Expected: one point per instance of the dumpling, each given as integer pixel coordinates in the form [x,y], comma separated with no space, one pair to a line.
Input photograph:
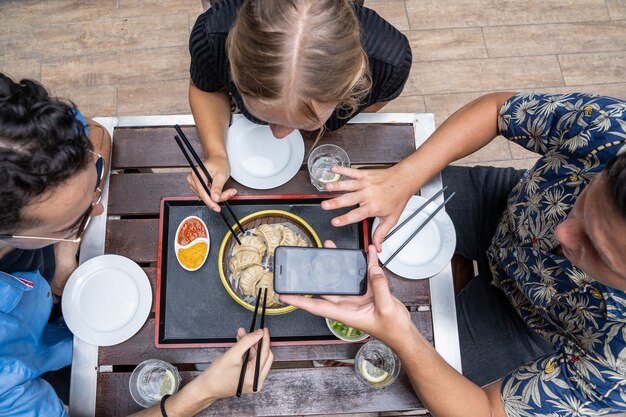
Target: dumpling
[302,242]
[267,281]
[243,259]
[272,299]
[249,278]
[250,242]
[271,235]
[290,238]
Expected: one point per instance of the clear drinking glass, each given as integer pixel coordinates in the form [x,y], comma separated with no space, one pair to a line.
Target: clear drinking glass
[321,160]
[376,364]
[151,380]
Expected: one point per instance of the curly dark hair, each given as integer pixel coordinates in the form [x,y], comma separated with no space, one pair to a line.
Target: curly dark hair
[616,180]
[42,144]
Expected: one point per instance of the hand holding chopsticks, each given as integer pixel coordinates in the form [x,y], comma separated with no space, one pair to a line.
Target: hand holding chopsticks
[244,366]
[220,379]
[421,226]
[187,149]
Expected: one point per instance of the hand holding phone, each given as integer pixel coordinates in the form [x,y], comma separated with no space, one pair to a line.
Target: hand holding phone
[320,271]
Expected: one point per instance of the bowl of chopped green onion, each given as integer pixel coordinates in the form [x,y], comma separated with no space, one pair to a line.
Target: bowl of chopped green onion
[344,332]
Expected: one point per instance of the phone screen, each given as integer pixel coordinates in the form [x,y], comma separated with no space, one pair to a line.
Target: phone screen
[319,271]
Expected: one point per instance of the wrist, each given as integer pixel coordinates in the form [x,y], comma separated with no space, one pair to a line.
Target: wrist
[202,392]
[406,175]
[216,153]
[409,343]
[190,400]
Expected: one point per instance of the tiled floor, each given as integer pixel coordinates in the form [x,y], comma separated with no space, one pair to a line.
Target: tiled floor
[130,57]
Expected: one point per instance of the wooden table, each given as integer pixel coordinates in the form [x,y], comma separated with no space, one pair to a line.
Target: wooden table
[146,166]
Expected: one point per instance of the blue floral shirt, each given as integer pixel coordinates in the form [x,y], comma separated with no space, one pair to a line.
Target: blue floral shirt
[576,135]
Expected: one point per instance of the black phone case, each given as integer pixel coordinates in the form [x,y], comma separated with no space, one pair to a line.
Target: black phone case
[282,249]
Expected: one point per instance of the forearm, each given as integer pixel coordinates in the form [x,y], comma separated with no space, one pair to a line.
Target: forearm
[466,131]
[211,111]
[444,391]
[189,401]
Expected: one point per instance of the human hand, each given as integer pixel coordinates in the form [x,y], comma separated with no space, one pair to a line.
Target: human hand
[379,193]
[221,378]
[219,168]
[65,264]
[377,313]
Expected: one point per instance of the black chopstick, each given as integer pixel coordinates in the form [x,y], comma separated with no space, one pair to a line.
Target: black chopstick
[429,218]
[257,365]
[204,171]
[420,208]
[244,366]
[205,186]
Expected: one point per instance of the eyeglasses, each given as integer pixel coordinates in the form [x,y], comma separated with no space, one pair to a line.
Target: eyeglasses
[79,230]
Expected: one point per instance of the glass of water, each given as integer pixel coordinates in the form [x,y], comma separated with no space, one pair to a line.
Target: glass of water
[376,364]
[320,162]
[151,380]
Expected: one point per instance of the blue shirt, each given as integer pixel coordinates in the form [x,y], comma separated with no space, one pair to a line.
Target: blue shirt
[576,135]
[29,345]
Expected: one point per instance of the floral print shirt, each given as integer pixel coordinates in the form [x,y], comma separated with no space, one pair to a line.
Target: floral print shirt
[576,135]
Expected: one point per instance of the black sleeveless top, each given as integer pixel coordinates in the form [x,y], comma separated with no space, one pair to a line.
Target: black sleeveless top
[388,51]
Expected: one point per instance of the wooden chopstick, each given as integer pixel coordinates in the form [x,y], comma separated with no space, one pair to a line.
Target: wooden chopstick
[420,208]
[257,365]
[429,218]
[244,366]
[205,186]
[205,172]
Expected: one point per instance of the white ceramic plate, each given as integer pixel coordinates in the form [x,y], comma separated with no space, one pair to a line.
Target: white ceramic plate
[259,160]
[106,300]
[429,252]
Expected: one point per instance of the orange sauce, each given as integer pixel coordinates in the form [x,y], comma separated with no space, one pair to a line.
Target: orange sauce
[193,256]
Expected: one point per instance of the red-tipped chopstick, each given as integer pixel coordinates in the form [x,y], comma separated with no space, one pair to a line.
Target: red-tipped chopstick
[421,226]
[205,186]
[244,366]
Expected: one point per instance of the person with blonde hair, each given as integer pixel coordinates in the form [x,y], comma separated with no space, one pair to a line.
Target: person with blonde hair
[291,64]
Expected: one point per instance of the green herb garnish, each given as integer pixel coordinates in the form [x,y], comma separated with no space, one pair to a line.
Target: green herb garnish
[346,331]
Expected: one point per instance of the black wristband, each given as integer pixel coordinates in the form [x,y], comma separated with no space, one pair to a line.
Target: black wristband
[165,397]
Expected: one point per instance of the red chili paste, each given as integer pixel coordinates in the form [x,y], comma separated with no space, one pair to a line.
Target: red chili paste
[191,229]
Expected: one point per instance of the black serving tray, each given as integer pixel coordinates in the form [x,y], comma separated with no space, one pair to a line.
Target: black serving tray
[193,309]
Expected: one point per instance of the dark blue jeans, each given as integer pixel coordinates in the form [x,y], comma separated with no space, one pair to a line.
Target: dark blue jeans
[494,340]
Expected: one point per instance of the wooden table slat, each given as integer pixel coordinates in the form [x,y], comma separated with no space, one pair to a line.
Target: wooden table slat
[136,239]
[151,272]
[141,347]
[366,144]
[286,392]
[140,194]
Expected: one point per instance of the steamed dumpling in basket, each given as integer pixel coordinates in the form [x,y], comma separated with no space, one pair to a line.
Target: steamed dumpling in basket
[267,281]
[249,278]
[243,259]
[272,236]
[250,242]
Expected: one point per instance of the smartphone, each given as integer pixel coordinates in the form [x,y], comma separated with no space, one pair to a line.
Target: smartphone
[319,271]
